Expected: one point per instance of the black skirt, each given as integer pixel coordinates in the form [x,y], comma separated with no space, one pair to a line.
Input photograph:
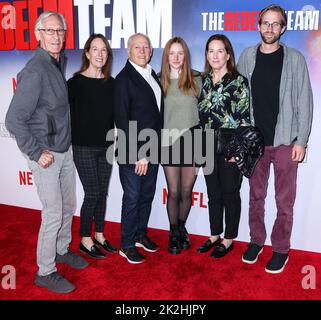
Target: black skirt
[182,152]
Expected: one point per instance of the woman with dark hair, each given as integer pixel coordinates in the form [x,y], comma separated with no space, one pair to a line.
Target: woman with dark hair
[181,87]
[90,98]
[223,103]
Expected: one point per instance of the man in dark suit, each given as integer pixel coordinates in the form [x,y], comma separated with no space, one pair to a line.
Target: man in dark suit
[138,101]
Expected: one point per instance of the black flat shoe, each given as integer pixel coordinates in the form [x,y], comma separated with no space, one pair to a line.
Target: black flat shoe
[94,252]
[208,245]
[106,245]
[220,251]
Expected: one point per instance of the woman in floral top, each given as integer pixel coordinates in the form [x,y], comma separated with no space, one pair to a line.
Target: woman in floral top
[224,102]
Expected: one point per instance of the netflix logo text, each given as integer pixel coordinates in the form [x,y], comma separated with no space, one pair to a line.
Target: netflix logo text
[25,178]
[198,199]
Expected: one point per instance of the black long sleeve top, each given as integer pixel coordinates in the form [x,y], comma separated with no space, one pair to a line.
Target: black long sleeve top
[91,110]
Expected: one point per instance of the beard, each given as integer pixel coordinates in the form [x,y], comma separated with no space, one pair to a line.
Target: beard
[270,37]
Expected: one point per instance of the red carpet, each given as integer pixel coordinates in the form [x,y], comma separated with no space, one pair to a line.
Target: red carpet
[188,276]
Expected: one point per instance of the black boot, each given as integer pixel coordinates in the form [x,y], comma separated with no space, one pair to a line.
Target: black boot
[184,239]
[173,241]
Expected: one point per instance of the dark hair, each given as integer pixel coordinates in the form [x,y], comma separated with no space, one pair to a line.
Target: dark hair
[276,8]
[231,66]
[106,69]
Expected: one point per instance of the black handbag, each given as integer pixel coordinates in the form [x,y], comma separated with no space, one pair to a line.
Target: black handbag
[223,137]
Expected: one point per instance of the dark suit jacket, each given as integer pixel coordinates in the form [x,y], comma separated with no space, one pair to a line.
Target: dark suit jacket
[134,100]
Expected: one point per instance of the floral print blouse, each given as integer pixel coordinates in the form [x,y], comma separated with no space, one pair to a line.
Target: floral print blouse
[224,104]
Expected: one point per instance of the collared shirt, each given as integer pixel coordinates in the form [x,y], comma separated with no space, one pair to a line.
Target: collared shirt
[57,63]
[146,73]
[224,104]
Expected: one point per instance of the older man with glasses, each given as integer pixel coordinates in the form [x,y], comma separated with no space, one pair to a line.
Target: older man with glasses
[38,116]
[281,103]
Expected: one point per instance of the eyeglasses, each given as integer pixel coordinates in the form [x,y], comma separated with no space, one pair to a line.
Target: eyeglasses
[274,25]
[51,32]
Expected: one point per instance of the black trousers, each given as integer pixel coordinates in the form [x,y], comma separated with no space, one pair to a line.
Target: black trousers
[94,173]
[223,190]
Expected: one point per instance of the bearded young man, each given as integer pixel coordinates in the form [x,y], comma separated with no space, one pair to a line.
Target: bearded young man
[281,105]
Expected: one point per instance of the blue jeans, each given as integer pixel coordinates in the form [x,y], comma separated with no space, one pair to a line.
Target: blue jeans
[138,196]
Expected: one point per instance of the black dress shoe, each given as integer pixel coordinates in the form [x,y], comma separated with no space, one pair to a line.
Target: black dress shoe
[94,252]
[208,245]
[106,245]
[221,251]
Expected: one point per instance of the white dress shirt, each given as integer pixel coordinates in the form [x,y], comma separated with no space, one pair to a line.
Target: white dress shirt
[146,73]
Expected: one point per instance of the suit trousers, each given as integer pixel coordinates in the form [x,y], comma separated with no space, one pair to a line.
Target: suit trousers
[137,201]
[56,187]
